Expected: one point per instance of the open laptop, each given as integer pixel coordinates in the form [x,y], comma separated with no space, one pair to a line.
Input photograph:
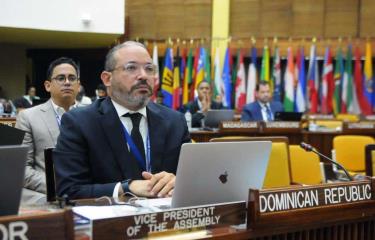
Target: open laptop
[215,117]
[219,172]
[288,116]
[12,171]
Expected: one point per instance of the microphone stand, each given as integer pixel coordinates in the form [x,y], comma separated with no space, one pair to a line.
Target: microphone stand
[309,148]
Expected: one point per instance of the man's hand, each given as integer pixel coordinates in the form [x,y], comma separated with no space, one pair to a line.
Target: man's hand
[154,185]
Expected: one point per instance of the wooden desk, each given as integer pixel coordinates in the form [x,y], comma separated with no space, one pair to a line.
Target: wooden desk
[10,121]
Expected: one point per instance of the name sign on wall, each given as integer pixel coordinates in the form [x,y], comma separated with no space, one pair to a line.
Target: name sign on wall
[310,197]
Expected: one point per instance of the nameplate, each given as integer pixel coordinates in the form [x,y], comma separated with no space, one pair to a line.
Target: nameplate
[282,124]
[143,225]
[11,122]
[313,197]
[54,226]
[237,125]
[360,125]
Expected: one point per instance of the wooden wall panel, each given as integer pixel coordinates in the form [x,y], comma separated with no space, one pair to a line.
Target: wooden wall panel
[198,18]
[341,18]
[367,20]
[276,17]
[169,18]
[308,18]
[245,18]
[141,19]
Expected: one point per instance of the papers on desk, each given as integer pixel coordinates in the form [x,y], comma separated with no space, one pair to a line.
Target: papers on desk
[101,212]
[155,204]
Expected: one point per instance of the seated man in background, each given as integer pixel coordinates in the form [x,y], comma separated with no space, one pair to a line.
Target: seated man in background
[263,109]
[42,122]
[199,107]
[124,142]
[100,92]
[26,101]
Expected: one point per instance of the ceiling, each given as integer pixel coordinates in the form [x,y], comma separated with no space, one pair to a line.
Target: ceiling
[33,38]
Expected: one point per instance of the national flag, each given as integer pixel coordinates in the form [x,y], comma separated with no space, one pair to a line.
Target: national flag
[368,81]
[155,61]
[312,78]
[276,75]
[194,74]
[339,77]
[218,85]
[364,105]
[227,100]
[252,76]
[167,80]
[176,82]
[265,70]
[182,73]
[187,78]
[327,84]
[207,67]
[289,83]
[240,84]
[301,84]
[199,77]
[349,102]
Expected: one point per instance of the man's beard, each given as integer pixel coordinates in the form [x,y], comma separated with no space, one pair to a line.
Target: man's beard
[128,99]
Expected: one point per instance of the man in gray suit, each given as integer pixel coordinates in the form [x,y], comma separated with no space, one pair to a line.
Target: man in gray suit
[42,123]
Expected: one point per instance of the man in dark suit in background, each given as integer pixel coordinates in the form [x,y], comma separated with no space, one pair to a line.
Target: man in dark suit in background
[199,107]
[122,143]
[264,108]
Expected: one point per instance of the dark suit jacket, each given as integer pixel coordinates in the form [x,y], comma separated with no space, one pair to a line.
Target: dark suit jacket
[91,154]
[253,111]
[193,107]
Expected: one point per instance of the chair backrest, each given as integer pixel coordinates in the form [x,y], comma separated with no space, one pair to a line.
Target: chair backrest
[350,151]
[278,171]
[370,159]
[305,166]
[50,175]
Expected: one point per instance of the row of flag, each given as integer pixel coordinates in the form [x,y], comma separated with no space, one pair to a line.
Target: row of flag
[340,85]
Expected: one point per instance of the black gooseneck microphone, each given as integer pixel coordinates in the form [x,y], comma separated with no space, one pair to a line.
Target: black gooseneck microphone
[309,148]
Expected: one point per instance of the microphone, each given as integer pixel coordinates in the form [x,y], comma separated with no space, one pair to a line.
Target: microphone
[308,148]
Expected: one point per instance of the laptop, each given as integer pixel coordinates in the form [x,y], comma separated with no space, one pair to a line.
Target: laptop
[219,172]
[215,117]
[10,135]
[288,116]
[12,171]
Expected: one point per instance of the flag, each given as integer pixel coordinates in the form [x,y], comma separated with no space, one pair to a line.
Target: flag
[233,67]
[312,78]
[187,78]
[207,67]
[240,84]
[338,82]
[252,77]
[176,82]
[265,70]
[289,83]
[199,77]
[359,83]
[218,85]
[227,100]
[276,75]
[301,84]
[194,73]
[167,80]
[327,84]
[367,82]
[182,74]
[155,61]
[349,102]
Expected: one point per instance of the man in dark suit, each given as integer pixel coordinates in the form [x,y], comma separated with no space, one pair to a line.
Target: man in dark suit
[122,143]
[264,108]
[199,107]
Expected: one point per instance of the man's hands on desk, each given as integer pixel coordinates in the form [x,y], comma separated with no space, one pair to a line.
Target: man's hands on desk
[155,185]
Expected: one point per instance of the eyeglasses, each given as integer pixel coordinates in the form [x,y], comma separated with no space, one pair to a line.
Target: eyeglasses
[133,68]
[62,78]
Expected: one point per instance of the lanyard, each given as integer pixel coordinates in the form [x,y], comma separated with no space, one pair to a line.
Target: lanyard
[146,165]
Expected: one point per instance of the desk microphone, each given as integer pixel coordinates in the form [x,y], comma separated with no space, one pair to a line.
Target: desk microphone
[308,148]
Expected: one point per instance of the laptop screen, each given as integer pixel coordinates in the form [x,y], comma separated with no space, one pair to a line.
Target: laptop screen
[288,116]
[215,117]
[217,172]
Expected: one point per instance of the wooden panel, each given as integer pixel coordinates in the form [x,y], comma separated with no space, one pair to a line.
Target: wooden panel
[367,20]
[341,18]
[142,22]
[308,18]
[169,18]
[276,17]
[197,20]
[244,18]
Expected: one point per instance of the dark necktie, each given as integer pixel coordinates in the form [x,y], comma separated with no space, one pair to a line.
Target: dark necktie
[136,134]
[269,113]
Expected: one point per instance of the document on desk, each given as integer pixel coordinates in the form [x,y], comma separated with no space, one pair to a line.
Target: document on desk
[156,204]
[101,212]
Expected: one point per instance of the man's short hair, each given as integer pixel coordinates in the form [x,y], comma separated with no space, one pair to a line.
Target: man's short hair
[204,81]
[110,61]
[263,83]
[61,60]
[101,87]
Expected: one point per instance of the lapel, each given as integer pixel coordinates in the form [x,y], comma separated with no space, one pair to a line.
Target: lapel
[157,129]
[48,116]
[259,111]
[112,128]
